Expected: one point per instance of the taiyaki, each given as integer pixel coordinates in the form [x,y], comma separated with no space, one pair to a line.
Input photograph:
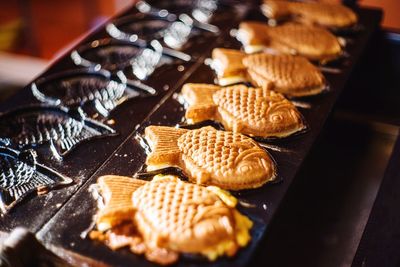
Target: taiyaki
[286,74]
[251,111]
[58,126]
[210,157]
[21,175]
[314,43]
[76,88]
[228,66]
[165,217]
[311,13]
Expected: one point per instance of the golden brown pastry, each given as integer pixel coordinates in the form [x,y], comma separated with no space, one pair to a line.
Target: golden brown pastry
[312,42]
[225,159]
[311,13]
[251,111]
[228,66]
[286,74]
[166,216]
[254,36]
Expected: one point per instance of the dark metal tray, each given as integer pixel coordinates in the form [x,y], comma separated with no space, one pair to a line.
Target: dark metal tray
[62,215]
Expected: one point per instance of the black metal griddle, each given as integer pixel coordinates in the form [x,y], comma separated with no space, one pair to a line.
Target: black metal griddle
[61,216]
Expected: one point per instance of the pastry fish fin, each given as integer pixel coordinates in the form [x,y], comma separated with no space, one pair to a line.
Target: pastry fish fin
[198,113]
[258,80]
[199,97]
[116,192]
[163,143]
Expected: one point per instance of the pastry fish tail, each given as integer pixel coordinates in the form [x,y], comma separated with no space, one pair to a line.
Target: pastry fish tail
[199,97]
[163,143]
[276,9]
[116,203]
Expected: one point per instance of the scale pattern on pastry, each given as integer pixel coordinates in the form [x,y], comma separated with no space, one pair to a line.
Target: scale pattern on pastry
[312,42]
[312,13]
[166,216]
[251,111]
[286,74]
[207,156]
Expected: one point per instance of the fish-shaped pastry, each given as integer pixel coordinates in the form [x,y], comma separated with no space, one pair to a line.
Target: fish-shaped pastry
[290,75]
[210,157]
[312,42]
[286,74]
[251,111]
[21,175]
[165,217]
[327,15]
[60,127]
[80,87]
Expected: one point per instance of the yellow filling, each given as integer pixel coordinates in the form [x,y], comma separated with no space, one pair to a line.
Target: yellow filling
[228,247]
[224,81]
[225,196]
[243,225]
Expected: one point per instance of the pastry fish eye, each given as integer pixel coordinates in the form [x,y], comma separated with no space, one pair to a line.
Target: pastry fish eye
[277,117]
[243,168]
[251,162]
[258,164]
[279,114]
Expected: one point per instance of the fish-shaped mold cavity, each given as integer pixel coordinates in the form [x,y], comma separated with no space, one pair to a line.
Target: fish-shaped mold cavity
[60,128]
[202,11]
[82,87]
[149,28]
[21,175]
[293,76]
[312,42]
[165,217]
[139,58]
[170,30]
[210,157]
[251,111]
[332,16]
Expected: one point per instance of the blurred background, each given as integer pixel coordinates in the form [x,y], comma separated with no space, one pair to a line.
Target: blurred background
[33,33]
